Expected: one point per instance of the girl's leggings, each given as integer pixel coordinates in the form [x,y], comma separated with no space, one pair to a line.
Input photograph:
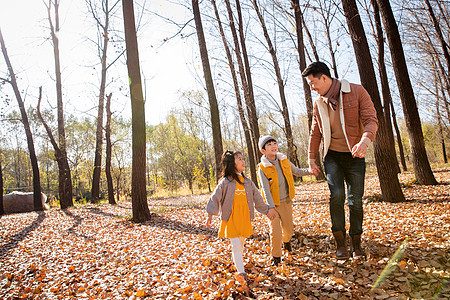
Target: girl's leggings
[237,244]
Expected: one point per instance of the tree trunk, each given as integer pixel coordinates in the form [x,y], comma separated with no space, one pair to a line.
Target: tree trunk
[384,154]
[141,213]
[246,86]
[251,105]
[422,169]
[292,149]
[439,118]
[118,188]
[109,151]
[101,99]
[65,178]
[58,156]
[441,132]
[399,139]
[191,186]
[248,139]
[444,152]
[214,108]
[385,90]
[299,21]
[37,198]
[47,168]
[302,59]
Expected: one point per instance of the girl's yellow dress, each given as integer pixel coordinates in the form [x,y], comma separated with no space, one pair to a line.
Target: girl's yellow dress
[239,224]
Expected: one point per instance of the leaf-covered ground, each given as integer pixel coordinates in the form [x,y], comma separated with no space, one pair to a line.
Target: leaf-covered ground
[95,252]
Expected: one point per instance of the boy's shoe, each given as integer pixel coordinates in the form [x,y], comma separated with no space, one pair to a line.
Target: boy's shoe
[276,261]
[287,246]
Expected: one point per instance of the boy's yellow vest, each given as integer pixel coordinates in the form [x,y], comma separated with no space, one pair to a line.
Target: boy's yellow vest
[272,176]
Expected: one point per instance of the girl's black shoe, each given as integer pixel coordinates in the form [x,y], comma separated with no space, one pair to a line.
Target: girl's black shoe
[276,261]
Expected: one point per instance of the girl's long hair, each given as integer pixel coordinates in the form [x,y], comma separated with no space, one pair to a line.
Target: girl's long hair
[229,166]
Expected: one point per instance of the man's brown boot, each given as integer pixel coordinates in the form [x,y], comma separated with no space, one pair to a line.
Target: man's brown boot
[356,246]
[341,247]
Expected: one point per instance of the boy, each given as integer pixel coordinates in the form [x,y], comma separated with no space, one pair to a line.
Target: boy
[275,174]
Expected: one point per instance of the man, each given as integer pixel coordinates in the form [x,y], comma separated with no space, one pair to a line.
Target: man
[344,119]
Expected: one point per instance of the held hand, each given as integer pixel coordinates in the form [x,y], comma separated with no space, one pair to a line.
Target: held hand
[208,221]
[314,169]
[271,214]
[359,150]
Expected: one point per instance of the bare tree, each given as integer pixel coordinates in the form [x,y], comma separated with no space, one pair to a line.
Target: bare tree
[103,29]
[65,178]
[327,10]
[37,198]
[292,149]
[385,90]
[109,151]
[141,213]
[438,84]
[299,25]
[251,105]
[214,108]
[444,45]
[444,98]
[302,59]
[245,126]
[427,44]
[246,85]
[422,168]
[311,41]
[384,153]
[440,36]
[445,84]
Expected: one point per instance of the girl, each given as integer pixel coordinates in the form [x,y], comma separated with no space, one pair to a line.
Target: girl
[236,198]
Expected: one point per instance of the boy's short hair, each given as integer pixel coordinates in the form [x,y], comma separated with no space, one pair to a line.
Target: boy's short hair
[317,69]
[263,140]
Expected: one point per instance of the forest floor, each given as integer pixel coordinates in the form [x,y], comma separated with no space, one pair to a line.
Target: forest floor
[96,252]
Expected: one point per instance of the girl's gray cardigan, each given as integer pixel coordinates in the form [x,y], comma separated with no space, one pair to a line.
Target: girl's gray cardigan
[222,199]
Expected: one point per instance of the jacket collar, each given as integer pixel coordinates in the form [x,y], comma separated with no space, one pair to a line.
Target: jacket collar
[266,162]
[345,86]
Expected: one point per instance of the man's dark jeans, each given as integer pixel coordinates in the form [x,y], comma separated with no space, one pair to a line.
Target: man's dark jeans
[340,167]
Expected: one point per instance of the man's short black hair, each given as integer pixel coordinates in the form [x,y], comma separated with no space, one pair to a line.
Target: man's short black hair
[317,69]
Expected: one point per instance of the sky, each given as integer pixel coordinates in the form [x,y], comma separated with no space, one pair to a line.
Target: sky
[165,67]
